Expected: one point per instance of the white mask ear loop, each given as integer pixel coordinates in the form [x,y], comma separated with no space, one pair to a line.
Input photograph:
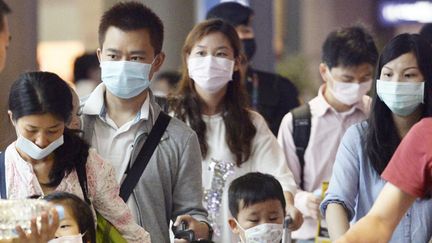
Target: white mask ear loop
[238,225]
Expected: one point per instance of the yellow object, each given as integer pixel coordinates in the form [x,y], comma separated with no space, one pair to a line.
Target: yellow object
[322,235]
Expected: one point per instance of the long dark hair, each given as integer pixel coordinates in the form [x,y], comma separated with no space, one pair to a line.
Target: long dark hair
[82,213]
[382,137]
[187,104]
[37,93]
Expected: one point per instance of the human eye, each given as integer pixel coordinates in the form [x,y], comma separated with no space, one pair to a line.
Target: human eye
[112,56]
[64,226]
[137,58]
[200,53]
[221,54]
[386,74]
[410,75]
[253,220]
[53,131]
[30,130]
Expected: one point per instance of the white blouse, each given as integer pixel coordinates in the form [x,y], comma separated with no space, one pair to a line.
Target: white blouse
[266,157]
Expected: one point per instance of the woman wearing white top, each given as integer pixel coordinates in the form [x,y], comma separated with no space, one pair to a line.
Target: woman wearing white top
[234,140]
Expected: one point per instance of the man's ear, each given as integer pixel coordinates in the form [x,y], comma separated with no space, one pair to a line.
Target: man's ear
[11,117]
[323,69]
[233,225]
[157,63]
[98,53]
[160,58]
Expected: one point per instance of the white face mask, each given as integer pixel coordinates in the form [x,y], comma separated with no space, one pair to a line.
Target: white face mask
[210,73]
[348,93]
[263,233]
[125,79]
[33,150]
[68,239]
[402,98]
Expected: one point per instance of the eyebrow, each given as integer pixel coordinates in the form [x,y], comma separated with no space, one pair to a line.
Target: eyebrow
[413,67]
[218,48]
[139,52]
[55,126]
[113,50]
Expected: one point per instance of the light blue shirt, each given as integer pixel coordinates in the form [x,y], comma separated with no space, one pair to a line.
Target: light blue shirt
[355,185]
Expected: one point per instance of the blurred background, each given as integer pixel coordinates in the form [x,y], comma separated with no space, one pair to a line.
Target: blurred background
[49,35]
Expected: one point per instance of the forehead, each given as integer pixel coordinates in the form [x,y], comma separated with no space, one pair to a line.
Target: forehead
[214,39]
[403,61]
[42,121]
[359,70]
[261,208]
[118,39]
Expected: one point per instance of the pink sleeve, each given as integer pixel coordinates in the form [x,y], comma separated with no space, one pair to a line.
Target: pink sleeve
[106,200]
[411,165]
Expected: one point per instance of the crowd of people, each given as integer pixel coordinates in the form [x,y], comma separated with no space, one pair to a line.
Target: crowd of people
[225,152]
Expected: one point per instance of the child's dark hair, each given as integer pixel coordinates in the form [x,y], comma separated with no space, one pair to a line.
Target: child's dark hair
[254,188]
[131,16]
[349,47]
[81,212]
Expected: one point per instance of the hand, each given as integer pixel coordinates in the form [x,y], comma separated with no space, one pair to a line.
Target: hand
[46,232]
[296,216]
[312,205]
[200,229]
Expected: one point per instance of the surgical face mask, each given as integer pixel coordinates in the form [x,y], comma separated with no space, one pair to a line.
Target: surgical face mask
[402,98]
[68,239]
[348,93]
[125,79]
[34,151]
[210,73]
[249,47]
[262,233]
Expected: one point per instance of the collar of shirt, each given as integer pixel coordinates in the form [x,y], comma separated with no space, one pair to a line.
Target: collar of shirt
[94,105]
[320,106]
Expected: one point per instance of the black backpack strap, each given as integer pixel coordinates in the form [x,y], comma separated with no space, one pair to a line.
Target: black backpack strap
[301,133]
[2,176]
[143,157]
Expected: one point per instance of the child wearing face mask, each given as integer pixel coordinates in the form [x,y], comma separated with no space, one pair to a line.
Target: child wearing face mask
[77,225]
[257,206]
[310,134]
[402,97]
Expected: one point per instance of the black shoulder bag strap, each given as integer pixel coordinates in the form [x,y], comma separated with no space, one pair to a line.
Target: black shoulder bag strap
[301,133]
[143,157]
[2,176]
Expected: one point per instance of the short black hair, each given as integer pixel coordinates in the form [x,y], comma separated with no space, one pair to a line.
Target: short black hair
[231,12]
[130,16]
[83,64]
[426,32]
[82,213]
[4,10]
[252,188]
[349,47]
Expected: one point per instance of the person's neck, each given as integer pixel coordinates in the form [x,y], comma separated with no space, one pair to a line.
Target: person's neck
[41,168]
[212,102]
[404,123]
[333,102]
[123,110]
